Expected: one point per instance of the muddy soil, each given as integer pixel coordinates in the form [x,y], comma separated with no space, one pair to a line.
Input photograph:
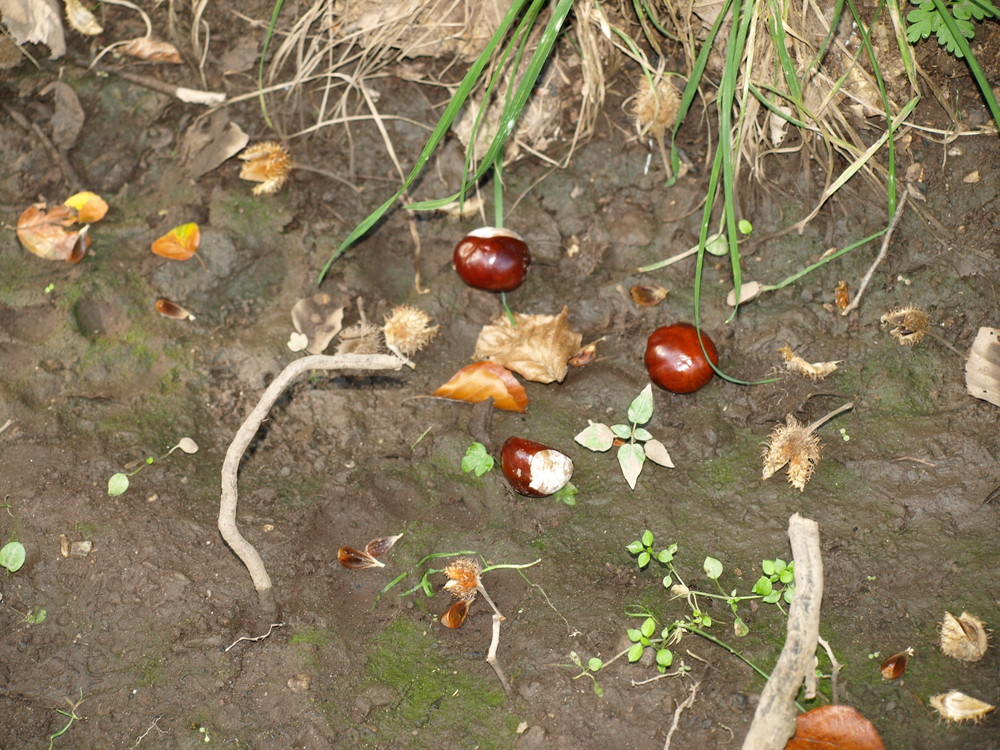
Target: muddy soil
[146,629]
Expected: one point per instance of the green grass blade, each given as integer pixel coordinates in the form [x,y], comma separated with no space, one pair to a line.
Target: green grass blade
[777,31]
[438,134]
[272,24]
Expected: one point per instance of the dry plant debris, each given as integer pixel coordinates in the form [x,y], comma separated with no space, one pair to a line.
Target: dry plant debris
[655,105]
[483,380]
[268,163]
[958,707]
[812,370]
[963,637]
[152,50]
[647,296]
[318,320]
[170,309]
[407,330]
[982,369]
[355,559]
[797,446]
[908,325]
[539,348]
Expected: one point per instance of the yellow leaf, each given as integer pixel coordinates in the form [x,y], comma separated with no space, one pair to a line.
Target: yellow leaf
[180,243]
[90,207]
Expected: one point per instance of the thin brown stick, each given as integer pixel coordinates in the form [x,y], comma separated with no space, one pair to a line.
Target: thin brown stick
[491,656]
[883,251]
[774,721]
[687,703]
[227,506]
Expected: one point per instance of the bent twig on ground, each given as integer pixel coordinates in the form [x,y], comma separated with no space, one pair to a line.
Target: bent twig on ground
[230,466]
[774,721]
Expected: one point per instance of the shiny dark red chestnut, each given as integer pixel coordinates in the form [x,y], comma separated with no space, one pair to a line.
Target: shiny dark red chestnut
[674,358]
[534,469]
[492,259]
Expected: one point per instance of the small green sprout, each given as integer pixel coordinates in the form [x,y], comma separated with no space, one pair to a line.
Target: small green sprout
[477,460]
[637,443]
[119,482]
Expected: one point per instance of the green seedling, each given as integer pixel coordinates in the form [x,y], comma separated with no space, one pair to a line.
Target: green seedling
[71,714]
[36,616]
[119,482]
[637,443]
[651,634]
[928,18]
[12,556]
[478,461]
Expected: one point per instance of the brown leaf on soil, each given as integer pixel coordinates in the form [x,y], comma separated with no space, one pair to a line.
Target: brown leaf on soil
[982,369]
[180,243]
[43,232]
[152,50]
[811,370]
[538,349]
[834,728]
[482,380]
[456,614]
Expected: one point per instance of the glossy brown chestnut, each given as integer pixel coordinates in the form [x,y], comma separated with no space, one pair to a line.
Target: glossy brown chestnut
[492,259]
[674,358]
[534,469]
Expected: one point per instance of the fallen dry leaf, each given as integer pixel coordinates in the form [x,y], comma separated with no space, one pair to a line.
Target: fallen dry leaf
[209,142]
[35,22]
[152,50]
[89,207]
[267,163]
[180,243]
[811,370]
[538,349]
[482,380]
[982,369]
[68,118]
[318,319]
[834,728]
[44,233]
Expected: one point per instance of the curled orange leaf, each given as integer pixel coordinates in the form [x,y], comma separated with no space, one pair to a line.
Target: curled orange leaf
[180,243]
[90,207]
[834,728]
[44,232]
[482,380]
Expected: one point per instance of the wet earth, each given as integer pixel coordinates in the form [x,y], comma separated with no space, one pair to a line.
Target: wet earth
[155,639]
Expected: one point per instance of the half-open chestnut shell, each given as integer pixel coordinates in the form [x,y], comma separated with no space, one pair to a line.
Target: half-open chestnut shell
[534,469]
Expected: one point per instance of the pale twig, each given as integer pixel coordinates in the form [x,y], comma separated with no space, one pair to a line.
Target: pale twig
[149,729]
[687,703]
[834,670]
[230,466]
[256,638]
[774,720]
[491,656]
[883,251]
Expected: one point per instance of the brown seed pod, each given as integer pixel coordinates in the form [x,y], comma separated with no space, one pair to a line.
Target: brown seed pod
[956,706]
[963,637]
[170,309]
[457,613]
[895,666]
